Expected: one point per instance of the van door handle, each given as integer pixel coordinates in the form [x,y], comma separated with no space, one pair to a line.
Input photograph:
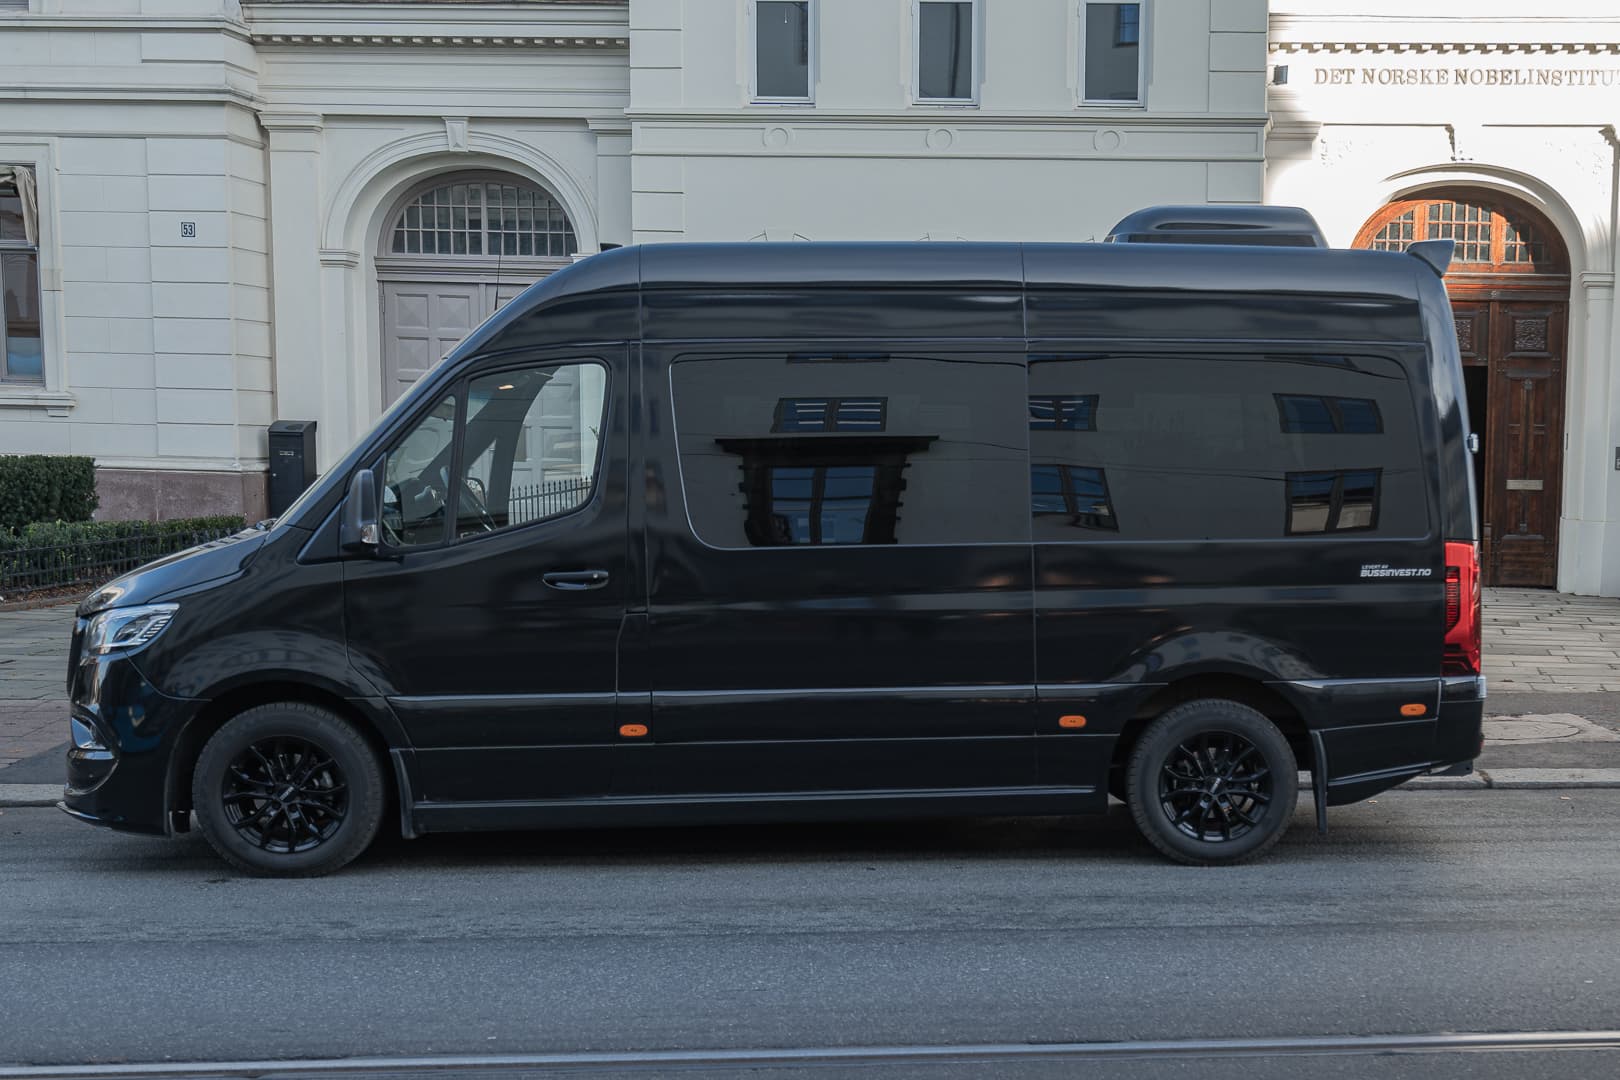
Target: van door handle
[576,580]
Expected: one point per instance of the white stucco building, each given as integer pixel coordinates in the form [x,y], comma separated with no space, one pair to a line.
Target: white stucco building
[238,212]
[1494,124]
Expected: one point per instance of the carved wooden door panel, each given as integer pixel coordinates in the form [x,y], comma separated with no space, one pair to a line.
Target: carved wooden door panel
[1524,441]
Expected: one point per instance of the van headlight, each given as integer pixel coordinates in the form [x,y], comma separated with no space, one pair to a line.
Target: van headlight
[127,630]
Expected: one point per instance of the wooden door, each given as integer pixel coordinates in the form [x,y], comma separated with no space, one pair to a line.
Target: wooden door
[1524,440]
[421,323]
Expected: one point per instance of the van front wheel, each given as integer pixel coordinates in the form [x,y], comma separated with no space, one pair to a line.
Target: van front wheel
[1212,782]
[288,789]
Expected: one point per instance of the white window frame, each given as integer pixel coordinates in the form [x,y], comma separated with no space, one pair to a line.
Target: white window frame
[1142,29]
[813,29]
[52,394]
[976,47]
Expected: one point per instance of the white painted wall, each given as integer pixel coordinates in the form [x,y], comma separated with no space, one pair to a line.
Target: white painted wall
[288,131]
[1028,162]
[158,345]
[1365,118]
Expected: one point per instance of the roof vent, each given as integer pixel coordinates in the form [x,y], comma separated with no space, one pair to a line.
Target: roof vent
[1270,226]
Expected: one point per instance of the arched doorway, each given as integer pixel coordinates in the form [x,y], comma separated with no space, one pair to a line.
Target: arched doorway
[456,248]
[1509,286]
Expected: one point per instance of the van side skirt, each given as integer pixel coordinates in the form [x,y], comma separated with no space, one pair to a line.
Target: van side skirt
[754,808]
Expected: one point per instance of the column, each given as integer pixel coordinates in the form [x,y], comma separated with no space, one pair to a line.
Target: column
[301,386]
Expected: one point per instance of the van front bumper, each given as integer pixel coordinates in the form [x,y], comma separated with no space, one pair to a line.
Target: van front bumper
[123,737]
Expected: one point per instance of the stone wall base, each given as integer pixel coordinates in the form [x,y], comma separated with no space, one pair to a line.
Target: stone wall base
[159,494]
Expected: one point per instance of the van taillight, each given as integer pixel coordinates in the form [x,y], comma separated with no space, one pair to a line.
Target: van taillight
[1463,615]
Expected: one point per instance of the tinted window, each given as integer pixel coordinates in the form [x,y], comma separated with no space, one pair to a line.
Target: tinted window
[780,451]
[782,48]
[1254,447]
[416,480]
[530,446]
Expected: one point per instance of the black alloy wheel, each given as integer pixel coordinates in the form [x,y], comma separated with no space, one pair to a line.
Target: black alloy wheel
[285,795]
[1215,786]
[1212,782]
[288,789]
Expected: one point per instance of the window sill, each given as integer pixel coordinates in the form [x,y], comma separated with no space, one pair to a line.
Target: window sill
[54,402]
[1112,105]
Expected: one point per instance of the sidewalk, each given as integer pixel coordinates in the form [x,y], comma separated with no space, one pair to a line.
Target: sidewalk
[1552,661]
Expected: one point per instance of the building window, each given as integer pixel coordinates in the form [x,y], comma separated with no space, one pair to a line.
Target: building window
[1063,413]
[483,219]
[830,414]
[1111,54]
[1489,238]
[946,57]
[22,343]
[1312,414]
[783,50]
[1332,501]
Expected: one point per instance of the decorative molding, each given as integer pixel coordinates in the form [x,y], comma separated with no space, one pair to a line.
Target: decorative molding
[455,133]
[1590,48]
[342,258]
[311,123]
[21,395]
[615,125]
[443,41]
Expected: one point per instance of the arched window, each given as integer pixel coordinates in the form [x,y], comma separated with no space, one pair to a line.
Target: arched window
[1491,237]
[483,218]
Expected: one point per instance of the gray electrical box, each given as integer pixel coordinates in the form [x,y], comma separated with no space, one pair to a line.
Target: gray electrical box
[292,462]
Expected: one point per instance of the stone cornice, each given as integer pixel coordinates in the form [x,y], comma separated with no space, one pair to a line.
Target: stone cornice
[444,41]
[441,25]
[1584,48]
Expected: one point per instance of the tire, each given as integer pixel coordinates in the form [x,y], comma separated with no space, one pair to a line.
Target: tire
[288,790]
[1192,790]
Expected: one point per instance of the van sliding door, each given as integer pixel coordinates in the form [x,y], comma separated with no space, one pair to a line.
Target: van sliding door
[839,571]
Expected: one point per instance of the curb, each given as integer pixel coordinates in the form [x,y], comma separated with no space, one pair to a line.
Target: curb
[30,794]
[1519,779]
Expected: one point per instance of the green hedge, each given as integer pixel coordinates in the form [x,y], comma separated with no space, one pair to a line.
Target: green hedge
[54,554]
[39,487]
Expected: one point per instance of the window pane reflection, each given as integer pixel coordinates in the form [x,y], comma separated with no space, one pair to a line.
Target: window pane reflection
[868,450]
[1194,448]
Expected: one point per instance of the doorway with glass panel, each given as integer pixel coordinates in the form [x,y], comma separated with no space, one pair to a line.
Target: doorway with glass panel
[458,248]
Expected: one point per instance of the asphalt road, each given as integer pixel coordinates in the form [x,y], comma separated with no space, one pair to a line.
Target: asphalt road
[1422,912]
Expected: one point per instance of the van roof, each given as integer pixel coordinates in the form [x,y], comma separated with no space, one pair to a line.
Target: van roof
[1190,268]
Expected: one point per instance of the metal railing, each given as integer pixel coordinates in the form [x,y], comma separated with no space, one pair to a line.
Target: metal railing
[88,561]
[530,502]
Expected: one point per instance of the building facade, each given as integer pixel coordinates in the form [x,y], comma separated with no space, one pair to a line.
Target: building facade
[239,212]
[1494,126]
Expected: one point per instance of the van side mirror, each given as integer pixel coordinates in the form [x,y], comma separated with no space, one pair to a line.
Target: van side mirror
[358,529]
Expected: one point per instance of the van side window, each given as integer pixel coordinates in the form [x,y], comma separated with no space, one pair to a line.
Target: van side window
[530,446]
[1222,447]
[416,478]
[797,450]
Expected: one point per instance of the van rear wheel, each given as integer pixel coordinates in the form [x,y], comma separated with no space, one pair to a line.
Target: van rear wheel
[289,789]
[1212,782]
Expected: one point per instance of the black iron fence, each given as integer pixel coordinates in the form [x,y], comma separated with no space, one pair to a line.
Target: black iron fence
[530,502]
[77,556]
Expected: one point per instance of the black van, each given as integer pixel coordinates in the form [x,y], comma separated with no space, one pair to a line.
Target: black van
[722,533]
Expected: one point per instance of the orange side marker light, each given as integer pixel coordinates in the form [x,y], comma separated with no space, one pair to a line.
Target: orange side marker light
[1071,721]
[632,731]
[1414,710]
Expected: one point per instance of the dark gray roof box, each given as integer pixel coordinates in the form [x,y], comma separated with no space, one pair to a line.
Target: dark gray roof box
[1272,226]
